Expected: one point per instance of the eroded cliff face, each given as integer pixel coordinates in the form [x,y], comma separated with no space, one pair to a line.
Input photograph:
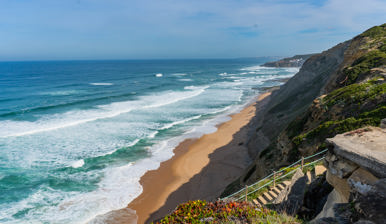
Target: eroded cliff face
[336,91]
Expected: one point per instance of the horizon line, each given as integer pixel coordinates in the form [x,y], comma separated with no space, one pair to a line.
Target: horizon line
[143,59]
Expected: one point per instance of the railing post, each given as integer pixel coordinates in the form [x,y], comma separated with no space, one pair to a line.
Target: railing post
[274,179]
[302,163]
[246,192]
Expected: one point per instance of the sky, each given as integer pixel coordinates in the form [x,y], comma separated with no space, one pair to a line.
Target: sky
[173,29]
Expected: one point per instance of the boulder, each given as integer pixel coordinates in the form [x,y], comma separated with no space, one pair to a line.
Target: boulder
[372,206]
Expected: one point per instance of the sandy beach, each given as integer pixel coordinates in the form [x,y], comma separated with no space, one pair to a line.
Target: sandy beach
[200,169]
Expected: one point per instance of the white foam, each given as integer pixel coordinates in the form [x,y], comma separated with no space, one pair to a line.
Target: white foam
[253,68]
[10,128]
[101,84]
[60,93]
[180,122]
[195,87]
[179,74]
[185,80]
[129,145]
[158,75]
[78,163]
[292,69]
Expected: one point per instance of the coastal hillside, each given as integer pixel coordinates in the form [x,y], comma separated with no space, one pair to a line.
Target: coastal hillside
[336,91]
[295,61]
[325,109]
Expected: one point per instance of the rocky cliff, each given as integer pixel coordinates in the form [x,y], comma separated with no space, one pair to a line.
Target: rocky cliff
[356,168]
[336,91]
[295,61]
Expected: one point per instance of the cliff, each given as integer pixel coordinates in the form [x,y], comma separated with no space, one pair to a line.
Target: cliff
[295,61]
[336,91]
[356,168]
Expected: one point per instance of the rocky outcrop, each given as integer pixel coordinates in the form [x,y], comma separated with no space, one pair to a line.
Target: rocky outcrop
[356,147]
[355,164]
[290,200]
[295,61]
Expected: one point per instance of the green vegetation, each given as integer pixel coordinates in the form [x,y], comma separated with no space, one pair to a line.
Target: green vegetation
[375,32]
[224,212]
[331,128]
[363,65]
[377,36]
[355,93]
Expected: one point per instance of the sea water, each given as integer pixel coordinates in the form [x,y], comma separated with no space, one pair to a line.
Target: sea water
[76,136]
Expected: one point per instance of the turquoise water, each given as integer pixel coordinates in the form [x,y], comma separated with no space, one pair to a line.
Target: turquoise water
[76,136]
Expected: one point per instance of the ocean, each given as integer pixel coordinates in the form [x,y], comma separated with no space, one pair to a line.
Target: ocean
[76,136]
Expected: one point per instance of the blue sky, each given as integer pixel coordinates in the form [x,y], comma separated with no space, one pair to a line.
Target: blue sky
[148,29]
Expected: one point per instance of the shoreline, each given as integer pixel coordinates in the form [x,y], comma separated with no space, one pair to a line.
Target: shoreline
[190,158]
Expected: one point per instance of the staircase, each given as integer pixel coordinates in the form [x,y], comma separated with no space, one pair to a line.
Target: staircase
[270,195]
[273,192]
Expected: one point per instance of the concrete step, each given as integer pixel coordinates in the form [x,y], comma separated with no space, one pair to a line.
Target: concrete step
[272,193]
[276,190]
[286,182]
[262,200]
[256,203]
[267,196]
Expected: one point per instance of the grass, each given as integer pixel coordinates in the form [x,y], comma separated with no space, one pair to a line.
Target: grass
[363,65]
[331,128]
[375,32]
[355,93]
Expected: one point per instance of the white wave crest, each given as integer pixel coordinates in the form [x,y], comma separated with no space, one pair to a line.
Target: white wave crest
[78,163]
[101,84]
[185,80]
[9,128]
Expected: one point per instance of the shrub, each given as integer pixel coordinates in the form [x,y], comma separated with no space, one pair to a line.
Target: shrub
[224,212]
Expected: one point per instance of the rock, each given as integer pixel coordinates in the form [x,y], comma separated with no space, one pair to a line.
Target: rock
[328,210]
[292,196]
[283,195]
[372,206]
[319,170]
[340,185]
[364,222]
[339,166]
[329,220]
[315,198]
[383,123]
[361,181]
[366,147]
